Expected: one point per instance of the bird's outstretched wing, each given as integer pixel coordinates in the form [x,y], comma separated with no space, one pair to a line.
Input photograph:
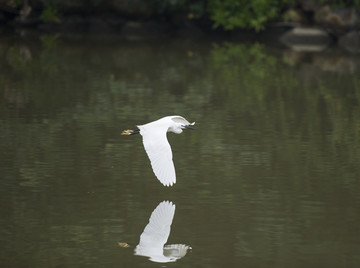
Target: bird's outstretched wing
[159,152]
[156,233]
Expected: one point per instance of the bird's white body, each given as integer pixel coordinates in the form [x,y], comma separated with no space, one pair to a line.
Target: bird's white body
[158,148]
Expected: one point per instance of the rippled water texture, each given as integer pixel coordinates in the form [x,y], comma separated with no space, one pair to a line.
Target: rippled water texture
[269,178]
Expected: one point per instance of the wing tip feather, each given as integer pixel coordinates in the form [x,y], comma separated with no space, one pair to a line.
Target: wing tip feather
[168,184]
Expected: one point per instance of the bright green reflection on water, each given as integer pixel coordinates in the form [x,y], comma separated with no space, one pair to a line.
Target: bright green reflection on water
[270,177]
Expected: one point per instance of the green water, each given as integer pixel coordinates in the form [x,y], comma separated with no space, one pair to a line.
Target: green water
[269,178]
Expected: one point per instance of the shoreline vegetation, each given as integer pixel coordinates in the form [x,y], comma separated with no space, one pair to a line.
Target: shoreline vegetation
[310,23]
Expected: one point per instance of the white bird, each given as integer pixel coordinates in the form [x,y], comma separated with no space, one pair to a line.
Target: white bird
[157,146]
[156,233]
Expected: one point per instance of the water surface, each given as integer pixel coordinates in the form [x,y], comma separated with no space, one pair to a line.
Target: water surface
[269,178]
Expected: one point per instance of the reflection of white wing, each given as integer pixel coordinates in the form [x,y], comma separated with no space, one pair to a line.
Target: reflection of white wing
[159,151]
[176,250]
[156,233]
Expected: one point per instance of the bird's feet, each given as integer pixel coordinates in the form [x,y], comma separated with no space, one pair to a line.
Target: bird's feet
[130,132]
[127,132]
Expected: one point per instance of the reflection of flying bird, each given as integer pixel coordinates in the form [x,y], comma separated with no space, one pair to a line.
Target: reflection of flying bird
[156,233]
[157,146]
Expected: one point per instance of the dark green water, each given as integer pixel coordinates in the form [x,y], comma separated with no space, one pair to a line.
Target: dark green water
[269,178]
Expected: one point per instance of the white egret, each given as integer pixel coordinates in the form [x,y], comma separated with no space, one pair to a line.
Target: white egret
[157,146]
[156,233]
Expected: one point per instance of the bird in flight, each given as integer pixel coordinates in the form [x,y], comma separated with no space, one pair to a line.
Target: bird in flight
[157,146]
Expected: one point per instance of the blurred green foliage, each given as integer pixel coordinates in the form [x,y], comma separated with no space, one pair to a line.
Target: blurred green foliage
[49,14]
[50,11]
[228,14]
[231,14]
[244,14]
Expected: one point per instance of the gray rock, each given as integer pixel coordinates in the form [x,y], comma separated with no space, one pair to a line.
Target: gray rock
[306,39]
[338,21]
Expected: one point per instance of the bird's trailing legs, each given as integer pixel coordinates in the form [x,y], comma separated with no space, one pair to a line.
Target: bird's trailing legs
[130,132]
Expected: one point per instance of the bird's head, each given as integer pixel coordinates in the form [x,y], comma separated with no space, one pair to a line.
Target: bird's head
[178,124]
